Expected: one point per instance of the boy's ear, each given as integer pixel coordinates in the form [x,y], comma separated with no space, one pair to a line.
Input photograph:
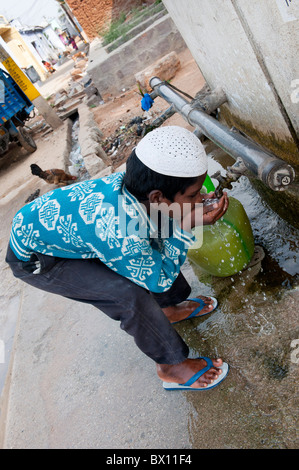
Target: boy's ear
[156,196]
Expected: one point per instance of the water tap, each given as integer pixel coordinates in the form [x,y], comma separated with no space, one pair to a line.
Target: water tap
[224,183]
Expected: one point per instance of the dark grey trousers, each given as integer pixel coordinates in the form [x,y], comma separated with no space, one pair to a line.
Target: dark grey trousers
[138,310]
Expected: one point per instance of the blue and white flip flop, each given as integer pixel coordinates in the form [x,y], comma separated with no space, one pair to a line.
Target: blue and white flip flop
[187,385]
[195,312]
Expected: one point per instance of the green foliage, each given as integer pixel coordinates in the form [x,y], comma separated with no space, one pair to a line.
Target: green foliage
[116,29]
[121,27]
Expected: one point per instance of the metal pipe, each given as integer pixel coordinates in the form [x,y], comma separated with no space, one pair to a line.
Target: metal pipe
[266,166]
[164,116]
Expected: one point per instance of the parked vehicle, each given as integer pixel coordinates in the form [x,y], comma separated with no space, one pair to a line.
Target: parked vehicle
[15,109]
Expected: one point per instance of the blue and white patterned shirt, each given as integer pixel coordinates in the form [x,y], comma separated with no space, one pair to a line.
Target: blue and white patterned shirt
[101,219]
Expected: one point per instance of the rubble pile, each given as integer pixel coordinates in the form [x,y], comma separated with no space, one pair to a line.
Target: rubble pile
[38,127]
[79,89]
[119,145]
[96,151]
[66,101]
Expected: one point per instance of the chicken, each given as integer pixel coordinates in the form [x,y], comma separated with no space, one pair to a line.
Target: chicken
[54,176]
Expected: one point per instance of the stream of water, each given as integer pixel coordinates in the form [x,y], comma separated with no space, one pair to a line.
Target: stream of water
[76,161]
[253,329]
[279,239]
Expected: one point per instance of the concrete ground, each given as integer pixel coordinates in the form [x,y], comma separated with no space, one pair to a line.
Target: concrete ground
[75,380]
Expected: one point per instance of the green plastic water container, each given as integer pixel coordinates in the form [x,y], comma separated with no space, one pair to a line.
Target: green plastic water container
[228,245]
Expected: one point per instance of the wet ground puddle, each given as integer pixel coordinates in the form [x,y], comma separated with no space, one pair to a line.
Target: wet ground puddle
[252,329]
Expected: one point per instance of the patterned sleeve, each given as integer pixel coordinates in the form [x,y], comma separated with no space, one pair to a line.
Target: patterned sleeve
[97,219]
[152,265]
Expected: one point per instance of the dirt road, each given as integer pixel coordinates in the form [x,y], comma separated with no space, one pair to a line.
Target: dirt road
[78,381]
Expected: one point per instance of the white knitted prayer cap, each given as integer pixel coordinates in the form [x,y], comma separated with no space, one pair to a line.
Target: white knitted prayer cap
[173,151]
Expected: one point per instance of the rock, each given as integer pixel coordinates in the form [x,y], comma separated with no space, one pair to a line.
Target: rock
[74,89]
[91,90]
[70,104]
[105,172]
[81,64]
[79,55]
[76,72]
[60,101]
[62,91]
[90,138]
[93,163]
[95,100]
[164,68]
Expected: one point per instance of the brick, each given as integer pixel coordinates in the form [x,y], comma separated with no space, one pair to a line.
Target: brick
[93,164]
[95,15]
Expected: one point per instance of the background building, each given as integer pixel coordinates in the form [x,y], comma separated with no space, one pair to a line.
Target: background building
[24,55]
[94,15]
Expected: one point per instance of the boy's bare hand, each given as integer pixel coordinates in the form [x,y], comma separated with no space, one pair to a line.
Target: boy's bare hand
[218,210]
[205,215]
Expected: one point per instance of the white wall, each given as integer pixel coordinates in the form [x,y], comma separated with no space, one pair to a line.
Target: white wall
[250,49]
[10,53]
[54,39]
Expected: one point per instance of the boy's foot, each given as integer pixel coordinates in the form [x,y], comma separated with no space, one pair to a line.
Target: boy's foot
[180,312]
[181,373]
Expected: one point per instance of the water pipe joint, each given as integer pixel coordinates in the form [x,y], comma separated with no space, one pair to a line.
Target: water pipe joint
[264,165]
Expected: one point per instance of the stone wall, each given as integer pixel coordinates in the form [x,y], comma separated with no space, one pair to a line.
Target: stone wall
[249,50]
[115,71]
[94,15]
